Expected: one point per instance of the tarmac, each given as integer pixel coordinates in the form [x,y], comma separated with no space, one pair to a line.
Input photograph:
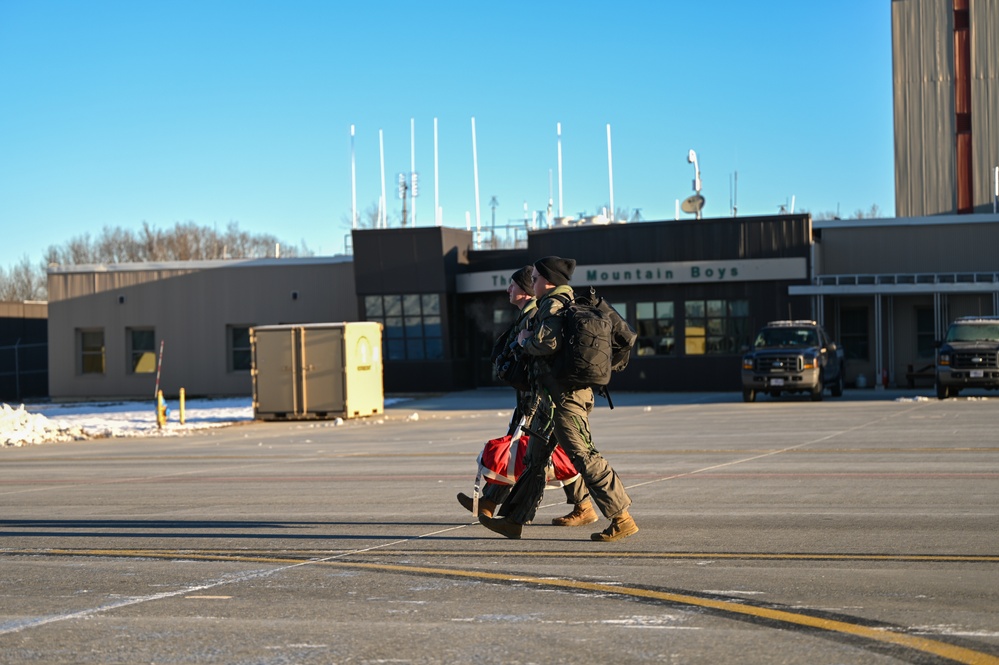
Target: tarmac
[860,529]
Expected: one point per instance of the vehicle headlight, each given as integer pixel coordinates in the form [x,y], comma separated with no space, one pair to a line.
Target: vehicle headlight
[808,362]
[943,359]
[747,362]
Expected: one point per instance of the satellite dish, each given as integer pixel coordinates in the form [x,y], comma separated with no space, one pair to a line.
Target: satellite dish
[693,204]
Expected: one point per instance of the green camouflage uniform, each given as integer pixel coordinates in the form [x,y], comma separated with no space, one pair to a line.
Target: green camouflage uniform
[566,414]
[575,492]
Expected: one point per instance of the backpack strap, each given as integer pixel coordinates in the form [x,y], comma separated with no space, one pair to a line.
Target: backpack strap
[564,299]
[605,393]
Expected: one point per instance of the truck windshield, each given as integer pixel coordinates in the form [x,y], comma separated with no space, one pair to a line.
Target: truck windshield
[786,337]
[973,332]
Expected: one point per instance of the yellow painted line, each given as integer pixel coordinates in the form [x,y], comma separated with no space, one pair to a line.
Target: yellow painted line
[937,648]
[699,556]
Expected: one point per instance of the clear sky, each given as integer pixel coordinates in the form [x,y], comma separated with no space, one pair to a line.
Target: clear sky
[114,113]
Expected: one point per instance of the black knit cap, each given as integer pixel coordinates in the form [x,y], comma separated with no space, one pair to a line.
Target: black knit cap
[555,269]
[522,278]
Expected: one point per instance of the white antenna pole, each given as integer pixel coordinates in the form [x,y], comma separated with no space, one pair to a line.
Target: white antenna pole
[610,172]
[437,194]
[735,206]
[792,204]
[353,183]
[412,164]
[475,171]
[548,213]
[558,129]
[382,213]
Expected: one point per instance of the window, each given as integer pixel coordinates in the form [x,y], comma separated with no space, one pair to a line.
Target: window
[925,333]
[412,325]
[853,333]
[240,353]
[715,327]
[141,350]
[91,351]
[654,323]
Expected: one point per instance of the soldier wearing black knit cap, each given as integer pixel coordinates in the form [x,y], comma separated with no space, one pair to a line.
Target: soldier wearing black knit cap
[521,294]
[569,409]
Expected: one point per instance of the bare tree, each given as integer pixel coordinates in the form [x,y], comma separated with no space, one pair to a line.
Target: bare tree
[621,214]
[873,212]
[23,281]
[184,242]
[367,218]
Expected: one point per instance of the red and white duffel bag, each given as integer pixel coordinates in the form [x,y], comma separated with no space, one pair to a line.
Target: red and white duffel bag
[502,461]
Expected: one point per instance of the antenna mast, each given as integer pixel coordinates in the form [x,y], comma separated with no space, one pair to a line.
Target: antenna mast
[610,172]
[382,213]
[412,163]
[475,172]
[558,129]
[353,183]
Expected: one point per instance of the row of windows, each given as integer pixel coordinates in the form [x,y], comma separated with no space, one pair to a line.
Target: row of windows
[140,351]
[412,325]
[710,327]
[413,331]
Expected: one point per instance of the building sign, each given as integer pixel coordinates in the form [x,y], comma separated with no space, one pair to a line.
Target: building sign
[639,274]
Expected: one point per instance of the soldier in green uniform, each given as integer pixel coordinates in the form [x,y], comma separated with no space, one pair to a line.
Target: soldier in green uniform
[564,413]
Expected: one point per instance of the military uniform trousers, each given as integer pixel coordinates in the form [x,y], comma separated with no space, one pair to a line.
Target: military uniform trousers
[575,492]
[571,430]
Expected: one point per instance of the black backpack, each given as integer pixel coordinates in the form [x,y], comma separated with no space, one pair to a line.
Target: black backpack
[596,342]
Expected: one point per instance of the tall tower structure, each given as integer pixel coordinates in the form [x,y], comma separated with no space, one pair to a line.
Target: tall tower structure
[945,66]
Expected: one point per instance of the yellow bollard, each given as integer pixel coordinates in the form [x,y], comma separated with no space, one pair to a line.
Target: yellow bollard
[181,406]
[160,410]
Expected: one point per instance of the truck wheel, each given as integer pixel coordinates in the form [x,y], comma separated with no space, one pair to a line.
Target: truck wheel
[837,388]
[748,395]
[817,390]
[942,391]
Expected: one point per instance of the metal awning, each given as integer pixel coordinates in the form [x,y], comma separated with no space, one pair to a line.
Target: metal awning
[899,284]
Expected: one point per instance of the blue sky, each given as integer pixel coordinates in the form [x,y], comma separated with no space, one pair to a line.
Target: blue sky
[216,111]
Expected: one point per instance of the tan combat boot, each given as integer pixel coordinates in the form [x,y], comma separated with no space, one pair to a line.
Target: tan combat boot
[621,526]
[486,507]
[581,514]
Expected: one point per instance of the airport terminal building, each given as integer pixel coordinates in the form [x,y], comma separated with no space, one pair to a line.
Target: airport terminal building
[695,291]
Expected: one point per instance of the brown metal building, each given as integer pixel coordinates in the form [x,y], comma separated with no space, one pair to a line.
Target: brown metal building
[945,56]
[106,323]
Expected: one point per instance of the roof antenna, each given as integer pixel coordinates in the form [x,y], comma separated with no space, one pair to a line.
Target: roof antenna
[694,204]
[733,201]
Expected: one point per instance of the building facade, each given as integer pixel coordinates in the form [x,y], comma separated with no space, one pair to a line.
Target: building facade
[108,324]
[945,56]
[694,291]
[889,288]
